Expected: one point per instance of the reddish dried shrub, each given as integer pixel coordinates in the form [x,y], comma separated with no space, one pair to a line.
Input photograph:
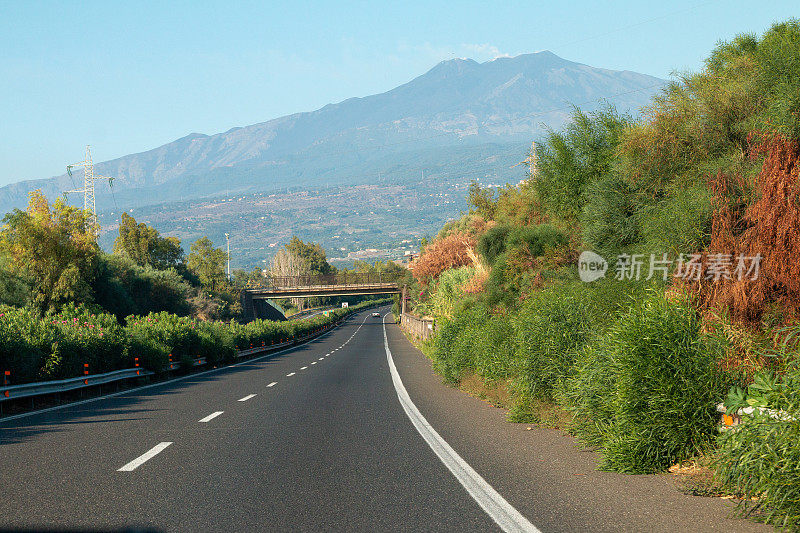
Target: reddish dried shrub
[769,226]
[449,252]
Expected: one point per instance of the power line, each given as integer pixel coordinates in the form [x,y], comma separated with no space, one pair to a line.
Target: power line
[634,25]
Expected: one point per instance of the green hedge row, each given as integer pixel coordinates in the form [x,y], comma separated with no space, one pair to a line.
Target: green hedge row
[57,346]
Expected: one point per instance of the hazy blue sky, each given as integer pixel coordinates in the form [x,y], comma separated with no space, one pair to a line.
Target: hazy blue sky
[127,77]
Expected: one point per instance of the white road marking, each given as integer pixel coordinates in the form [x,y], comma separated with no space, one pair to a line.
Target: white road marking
[313,362]
[506,516]
[321,358]
[135,390]
[303,367]
[247,397]
[290,374]
[139,461]
[211,417]
[272,384]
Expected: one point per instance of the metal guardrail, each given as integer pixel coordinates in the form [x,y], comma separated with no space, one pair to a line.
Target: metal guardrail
[28,390]
[346,279]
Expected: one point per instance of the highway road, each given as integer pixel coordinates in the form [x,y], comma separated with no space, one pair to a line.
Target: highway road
[349,432]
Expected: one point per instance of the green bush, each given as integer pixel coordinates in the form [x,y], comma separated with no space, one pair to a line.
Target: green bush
[608,222]
[761,457]
[453,353]
[84,337]
[679,222]
[447,290]
[665,388]
[57,345]
[124,288]
[493,243]
[551,327]
[536,240]
[25,343]
[501,287]
[493,347]
[589,392]
[588,389]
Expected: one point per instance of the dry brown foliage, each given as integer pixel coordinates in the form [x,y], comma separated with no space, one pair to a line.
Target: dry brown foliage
[477,282]
[449,252]
[769,226]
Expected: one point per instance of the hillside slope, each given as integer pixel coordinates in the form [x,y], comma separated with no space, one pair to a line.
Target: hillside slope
[458,102]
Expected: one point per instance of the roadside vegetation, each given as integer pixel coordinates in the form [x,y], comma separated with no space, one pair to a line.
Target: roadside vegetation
[704,187]
[64,303]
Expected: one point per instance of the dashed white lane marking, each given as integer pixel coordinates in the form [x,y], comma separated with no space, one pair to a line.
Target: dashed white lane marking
[313,362]
[247,397]
[321,358]
[303,367]
[272,384]
[502,512]
[139,461]
[290,374]
[211,417]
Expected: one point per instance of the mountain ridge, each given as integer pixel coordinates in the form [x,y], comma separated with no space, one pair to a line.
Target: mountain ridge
[458,101]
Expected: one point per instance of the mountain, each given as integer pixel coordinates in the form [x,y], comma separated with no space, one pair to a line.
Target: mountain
[458,103]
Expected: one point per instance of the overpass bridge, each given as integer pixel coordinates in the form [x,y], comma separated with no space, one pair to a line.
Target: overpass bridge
[255,297]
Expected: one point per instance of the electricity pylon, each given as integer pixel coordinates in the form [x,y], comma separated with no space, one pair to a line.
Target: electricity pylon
[89,178]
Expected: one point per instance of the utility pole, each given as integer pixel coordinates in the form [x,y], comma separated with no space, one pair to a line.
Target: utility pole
[89,177]
[532,162]
[228,242]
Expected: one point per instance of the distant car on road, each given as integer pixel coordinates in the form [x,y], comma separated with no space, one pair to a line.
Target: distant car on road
[376,314]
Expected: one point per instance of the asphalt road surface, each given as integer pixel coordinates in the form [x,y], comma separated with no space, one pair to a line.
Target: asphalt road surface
[350,432]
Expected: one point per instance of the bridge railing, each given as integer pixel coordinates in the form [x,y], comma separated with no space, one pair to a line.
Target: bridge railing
[347,278]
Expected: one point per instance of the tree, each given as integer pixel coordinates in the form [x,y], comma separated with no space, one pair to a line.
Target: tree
[241,278]
[482,200]
[207,262]
[311,255]
[577,157]
[284,263]
[55,247]
[145,246]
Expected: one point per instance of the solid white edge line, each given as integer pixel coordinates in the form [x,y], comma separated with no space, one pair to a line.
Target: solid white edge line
[152,452]
[502,512]
[211,417]
[246,398]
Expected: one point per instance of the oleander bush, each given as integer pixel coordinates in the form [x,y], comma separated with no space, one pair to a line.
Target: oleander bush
[25,343]
[85,337]
[57,345]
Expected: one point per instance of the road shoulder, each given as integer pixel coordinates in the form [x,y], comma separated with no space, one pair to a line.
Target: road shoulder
[545,474]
